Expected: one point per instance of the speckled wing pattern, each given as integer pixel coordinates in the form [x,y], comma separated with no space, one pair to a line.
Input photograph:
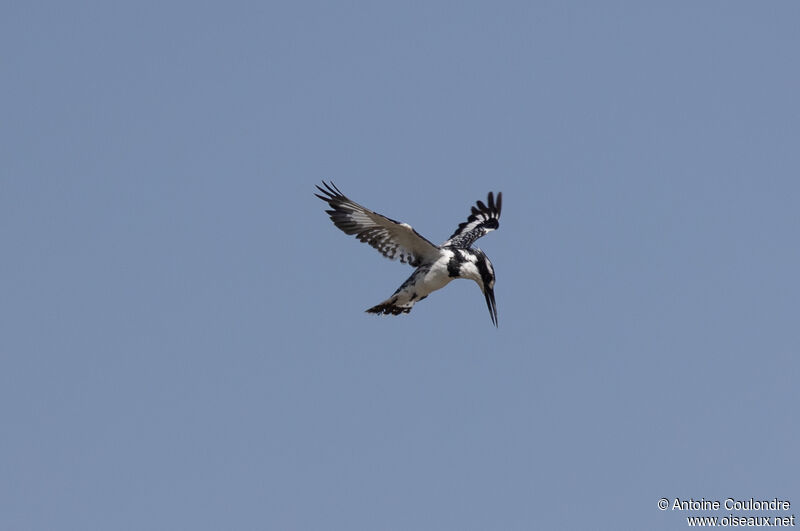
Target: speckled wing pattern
[483,219]
[394,240]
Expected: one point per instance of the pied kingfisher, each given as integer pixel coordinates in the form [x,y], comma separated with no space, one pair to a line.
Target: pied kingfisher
[436,265]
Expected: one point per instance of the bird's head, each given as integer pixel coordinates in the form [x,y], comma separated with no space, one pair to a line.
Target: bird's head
[482,272]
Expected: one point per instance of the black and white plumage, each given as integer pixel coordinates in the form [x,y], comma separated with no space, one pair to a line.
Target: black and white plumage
[436,265]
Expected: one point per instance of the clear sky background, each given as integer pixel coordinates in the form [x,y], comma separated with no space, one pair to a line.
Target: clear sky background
[183,343]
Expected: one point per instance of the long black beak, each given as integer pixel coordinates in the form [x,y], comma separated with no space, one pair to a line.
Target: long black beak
[489,294]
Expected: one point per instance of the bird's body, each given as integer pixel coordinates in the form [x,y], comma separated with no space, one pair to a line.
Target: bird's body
[435,265]
[426,279]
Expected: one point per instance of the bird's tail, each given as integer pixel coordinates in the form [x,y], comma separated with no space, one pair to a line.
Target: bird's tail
[391,307]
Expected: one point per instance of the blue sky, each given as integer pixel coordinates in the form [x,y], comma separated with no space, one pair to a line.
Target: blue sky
[183,343]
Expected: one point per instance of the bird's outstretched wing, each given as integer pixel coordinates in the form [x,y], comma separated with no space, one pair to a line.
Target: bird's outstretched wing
[483,219]
[392,239]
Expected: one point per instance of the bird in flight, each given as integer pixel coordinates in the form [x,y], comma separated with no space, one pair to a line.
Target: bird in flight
[435,265]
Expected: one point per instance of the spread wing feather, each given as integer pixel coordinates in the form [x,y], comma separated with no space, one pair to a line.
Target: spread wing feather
[392,239]
[483,219]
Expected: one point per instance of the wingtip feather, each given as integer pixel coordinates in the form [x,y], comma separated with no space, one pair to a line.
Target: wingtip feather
[330,190]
